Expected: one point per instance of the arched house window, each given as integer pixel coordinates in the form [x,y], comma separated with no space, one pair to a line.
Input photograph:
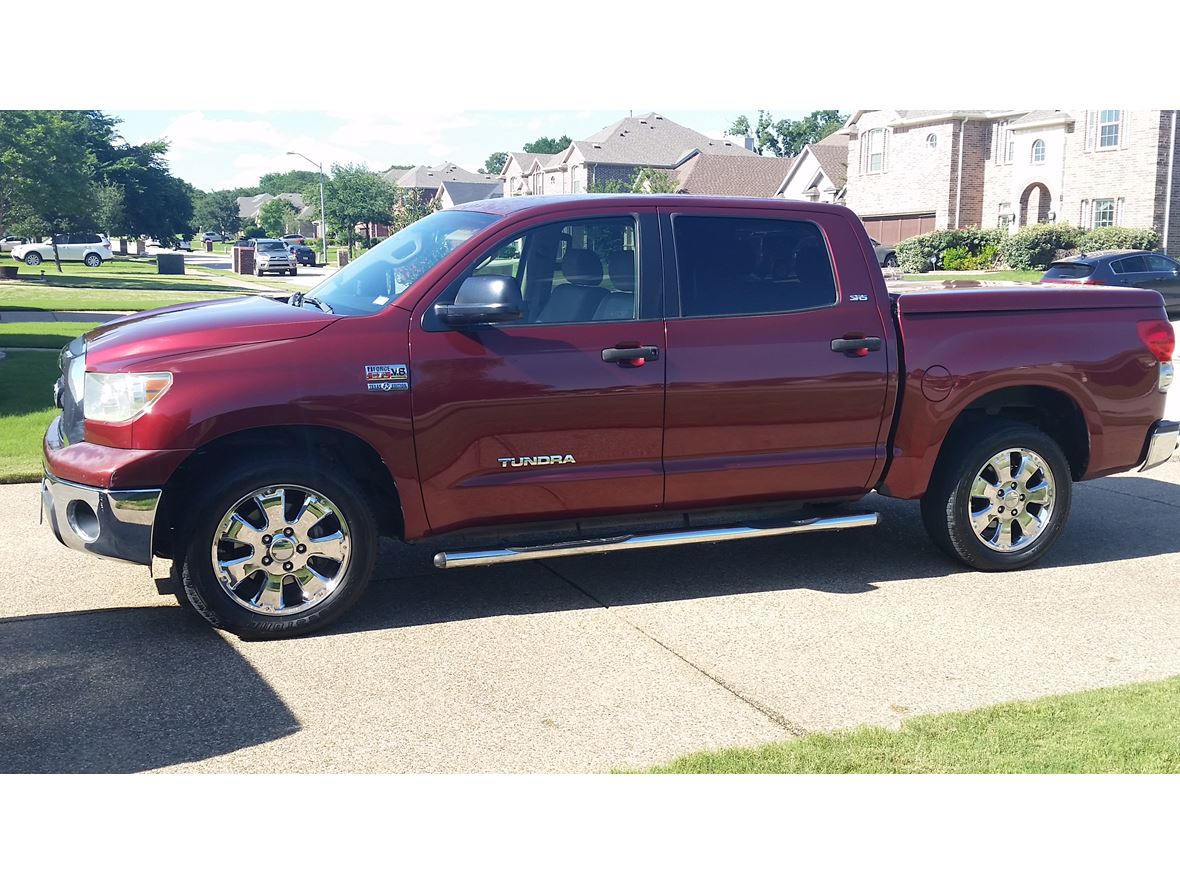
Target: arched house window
[1038,151]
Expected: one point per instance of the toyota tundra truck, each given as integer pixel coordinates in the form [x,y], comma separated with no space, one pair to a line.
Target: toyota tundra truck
[538,377]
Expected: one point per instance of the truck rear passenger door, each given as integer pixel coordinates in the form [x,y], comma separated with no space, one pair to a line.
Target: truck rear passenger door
[776,360]
[559,414]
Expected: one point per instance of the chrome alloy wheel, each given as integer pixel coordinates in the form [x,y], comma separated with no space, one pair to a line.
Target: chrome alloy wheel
[1012,500]
[281,550]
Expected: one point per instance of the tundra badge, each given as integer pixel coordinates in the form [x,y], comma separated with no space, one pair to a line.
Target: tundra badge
[536,460]
[388,377]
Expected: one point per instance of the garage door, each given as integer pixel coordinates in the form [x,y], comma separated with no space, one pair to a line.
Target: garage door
[892,229]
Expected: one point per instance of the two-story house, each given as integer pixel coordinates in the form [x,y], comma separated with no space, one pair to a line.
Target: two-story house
[914,171]
[614,153]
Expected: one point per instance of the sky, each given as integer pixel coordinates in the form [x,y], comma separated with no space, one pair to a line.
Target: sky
[214,150]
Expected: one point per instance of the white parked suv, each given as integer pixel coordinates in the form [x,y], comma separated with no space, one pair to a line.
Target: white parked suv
[7,244]
[91,249]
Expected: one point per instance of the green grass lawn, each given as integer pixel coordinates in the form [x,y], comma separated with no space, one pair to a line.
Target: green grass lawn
[1018,276]
[26,408]
[116,285]
[41,334]
[49,298]
[1131,729]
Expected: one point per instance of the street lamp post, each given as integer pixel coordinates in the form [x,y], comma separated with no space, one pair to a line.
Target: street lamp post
[323,218]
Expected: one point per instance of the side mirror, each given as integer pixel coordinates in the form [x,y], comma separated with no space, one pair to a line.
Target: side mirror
[489,298]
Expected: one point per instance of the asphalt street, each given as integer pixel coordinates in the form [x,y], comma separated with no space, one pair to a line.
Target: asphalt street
[581,664]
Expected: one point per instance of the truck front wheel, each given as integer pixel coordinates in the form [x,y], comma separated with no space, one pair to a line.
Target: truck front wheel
[278,549]
[999,497]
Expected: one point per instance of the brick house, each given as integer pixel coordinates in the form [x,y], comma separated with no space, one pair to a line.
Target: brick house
[914,171]
[614,153]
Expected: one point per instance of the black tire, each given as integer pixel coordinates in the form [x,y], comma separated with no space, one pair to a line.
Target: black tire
[891,260]
[214,603]
[258,271]
[33,259]
[92,259]
[294,271]
[947,502]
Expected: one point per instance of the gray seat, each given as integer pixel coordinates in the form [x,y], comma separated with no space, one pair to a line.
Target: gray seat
[620,303]
[577,300]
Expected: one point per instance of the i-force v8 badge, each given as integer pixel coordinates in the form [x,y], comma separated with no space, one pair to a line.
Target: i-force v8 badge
[388,377]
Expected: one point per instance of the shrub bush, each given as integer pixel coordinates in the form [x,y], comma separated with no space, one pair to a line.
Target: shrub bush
[956,258]
[1033,247]
[965,249]
[1118,238]
[252,233]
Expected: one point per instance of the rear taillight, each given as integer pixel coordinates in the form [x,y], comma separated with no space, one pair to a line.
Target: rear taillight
[1160,338]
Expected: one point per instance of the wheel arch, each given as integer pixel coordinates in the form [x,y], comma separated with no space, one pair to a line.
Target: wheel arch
[1051,410]
[318,443]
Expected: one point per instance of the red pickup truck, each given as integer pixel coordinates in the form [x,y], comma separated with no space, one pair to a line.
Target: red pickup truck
[537,377]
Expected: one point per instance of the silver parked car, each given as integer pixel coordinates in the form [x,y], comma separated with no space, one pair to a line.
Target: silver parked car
[272,256]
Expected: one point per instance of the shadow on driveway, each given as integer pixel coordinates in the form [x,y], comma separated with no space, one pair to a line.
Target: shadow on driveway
[126,690]
[1104,529]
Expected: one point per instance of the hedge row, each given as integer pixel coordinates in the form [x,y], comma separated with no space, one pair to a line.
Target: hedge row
[1030,248]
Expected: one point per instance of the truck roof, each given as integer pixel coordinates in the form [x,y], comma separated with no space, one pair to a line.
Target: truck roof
[505,206]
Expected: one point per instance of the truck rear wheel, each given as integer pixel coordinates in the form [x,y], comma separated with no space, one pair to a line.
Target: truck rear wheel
[278,549]
[999,498]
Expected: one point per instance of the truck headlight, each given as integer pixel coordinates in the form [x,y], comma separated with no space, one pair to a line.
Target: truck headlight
[120,397]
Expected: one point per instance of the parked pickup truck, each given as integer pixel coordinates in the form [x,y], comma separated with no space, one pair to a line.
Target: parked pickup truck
[541,377]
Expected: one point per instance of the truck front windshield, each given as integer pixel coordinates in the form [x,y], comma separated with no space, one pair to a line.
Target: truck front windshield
[392,266]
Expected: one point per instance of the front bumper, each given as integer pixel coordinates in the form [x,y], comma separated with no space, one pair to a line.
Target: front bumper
[1161,443]
[115,524]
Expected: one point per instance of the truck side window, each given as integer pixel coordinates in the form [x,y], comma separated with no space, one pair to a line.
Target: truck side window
[745,266]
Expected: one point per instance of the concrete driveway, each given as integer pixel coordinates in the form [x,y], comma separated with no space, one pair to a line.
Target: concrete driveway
[583,664]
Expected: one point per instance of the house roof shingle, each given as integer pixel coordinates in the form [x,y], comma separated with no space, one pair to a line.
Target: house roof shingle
[651,140]
[832,155]
[469,191]
[735,176]
[433,176]
[524,159]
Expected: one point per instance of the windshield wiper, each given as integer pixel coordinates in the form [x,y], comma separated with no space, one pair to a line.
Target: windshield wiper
[311,299]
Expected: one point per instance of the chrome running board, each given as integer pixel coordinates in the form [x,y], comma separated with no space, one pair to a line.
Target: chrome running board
[661,539]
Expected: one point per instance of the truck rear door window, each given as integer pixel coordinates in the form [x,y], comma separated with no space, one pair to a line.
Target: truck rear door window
[743,266]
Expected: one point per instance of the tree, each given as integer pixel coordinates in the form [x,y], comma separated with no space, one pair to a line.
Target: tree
[111,214]
[786,137]
[494,164]
[412,204]
[218,211]
[547,145]
[275,215]
[354,195]
[654,181]
[294,182]
[155,202]
[46,174]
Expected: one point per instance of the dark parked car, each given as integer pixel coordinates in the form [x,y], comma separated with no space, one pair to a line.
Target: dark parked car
[302,254]
[1123,267]
[886,257]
